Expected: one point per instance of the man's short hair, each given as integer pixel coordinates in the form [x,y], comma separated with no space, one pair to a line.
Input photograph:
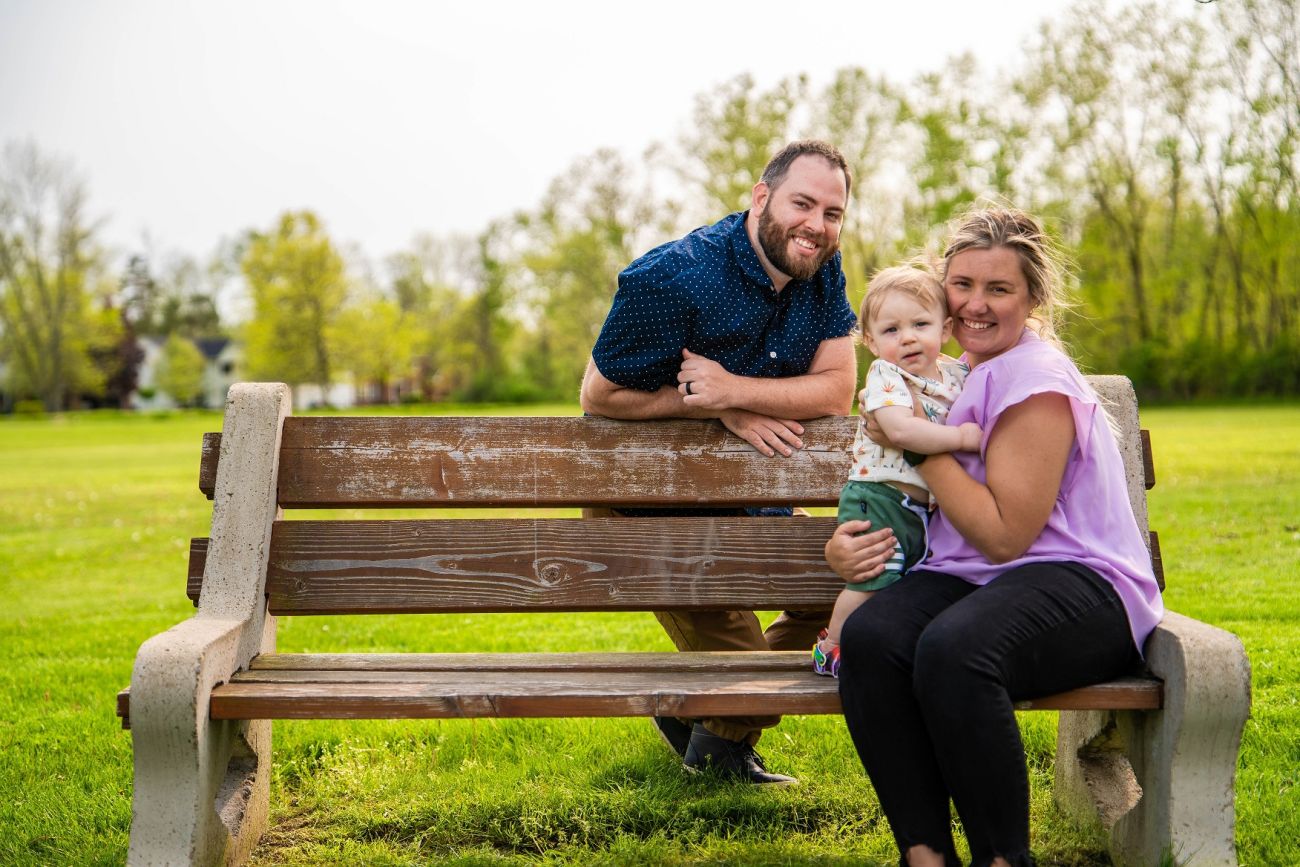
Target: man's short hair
[780,164]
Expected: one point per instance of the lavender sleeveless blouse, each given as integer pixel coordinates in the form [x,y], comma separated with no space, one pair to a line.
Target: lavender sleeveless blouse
[1092,521]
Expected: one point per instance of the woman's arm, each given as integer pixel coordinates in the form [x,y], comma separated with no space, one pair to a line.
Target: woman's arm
[1025,463]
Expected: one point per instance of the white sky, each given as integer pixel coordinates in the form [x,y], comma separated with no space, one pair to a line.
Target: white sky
[192,121]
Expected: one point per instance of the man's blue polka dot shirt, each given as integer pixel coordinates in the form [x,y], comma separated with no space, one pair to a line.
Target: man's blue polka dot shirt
[707,292]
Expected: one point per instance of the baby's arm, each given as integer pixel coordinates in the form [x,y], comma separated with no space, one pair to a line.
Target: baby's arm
[917,434]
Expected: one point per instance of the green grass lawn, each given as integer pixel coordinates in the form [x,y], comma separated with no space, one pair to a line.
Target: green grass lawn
[95,514]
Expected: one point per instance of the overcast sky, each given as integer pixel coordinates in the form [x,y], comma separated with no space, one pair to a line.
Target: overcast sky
[193,121]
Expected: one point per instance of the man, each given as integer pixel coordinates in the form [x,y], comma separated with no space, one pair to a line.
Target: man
[745,321]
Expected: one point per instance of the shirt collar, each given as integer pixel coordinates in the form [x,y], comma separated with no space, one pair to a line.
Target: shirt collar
[746,256]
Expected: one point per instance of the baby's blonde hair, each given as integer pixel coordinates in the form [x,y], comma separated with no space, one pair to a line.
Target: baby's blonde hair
[914,279]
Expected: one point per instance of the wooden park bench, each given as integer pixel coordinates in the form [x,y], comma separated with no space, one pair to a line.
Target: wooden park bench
[1152,756]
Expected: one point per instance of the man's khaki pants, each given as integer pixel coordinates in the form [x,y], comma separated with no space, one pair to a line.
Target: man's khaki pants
[736,630]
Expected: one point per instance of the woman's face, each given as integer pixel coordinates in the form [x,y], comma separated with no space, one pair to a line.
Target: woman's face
[988,297]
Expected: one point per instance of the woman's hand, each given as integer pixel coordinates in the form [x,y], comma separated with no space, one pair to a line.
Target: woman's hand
[858,558]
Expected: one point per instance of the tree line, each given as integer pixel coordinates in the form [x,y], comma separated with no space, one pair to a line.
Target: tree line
[1161,146]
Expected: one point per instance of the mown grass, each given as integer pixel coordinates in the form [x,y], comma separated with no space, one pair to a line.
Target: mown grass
[95,511]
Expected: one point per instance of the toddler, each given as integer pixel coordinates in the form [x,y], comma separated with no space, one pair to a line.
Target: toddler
[905,323]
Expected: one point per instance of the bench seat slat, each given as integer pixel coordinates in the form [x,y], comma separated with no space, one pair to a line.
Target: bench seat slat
[416,462]
[646,660]
[450,685]
[470,693]
[552,687]
[1135,692]
[546,564]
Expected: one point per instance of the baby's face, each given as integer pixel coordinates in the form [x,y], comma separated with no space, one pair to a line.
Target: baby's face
[908,333]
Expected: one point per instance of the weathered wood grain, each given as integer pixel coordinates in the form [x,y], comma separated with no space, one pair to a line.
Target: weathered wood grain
[398,686]
[418,462]
[540,693]
[486,694]
[1157,563]
[468,462]
[646,660]
[547,564]
[1148,462]
[340,568]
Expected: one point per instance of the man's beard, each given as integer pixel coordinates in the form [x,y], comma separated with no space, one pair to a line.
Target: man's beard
[773,238]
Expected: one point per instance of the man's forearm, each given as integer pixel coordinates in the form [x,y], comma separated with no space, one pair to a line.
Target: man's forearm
[602,397]
[798,397]
[629,403]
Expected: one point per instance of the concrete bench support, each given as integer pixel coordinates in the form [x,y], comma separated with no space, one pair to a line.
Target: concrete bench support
[202,787]
[1161,783]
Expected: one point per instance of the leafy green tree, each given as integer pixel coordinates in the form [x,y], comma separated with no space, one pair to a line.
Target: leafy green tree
[1263,55]
[589,227]
[737,128]
[378,342]
[483,349]
[946,166]
[860,114]
[179,300]
[298,285]
[428,282]
[50,277]
[180,370]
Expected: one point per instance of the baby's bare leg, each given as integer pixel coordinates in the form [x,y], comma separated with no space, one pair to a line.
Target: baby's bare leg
[847,602]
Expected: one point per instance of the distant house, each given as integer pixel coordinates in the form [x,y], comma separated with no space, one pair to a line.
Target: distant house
[308,395]
[223,367]
[222,360]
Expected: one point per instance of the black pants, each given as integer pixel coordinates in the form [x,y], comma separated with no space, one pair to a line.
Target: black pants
[930,668]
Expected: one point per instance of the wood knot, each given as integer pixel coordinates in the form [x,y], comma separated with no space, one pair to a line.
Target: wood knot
[551,573]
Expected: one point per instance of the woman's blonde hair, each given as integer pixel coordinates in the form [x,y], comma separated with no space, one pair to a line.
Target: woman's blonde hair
[1044,264]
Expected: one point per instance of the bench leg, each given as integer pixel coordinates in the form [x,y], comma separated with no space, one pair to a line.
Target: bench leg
[1161,782]
[202,786]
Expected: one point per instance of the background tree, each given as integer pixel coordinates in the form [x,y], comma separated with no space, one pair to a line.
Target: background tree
[50,269]
[860,113]
[481,345]
[180,370]
[179,299]
[378,342]
[296,279]
[428,282]
[737,128]
[117,358]
[591,225]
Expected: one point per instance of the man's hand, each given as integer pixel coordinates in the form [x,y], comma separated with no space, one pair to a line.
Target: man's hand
[766,434]
[705,384]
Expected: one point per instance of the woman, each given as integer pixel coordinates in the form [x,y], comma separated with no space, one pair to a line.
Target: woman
[1037,581]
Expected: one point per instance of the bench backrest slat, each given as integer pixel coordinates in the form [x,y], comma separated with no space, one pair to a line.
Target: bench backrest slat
[492,462]
[545,564]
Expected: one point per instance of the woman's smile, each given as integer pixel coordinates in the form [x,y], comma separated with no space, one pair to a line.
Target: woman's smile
[988,296]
